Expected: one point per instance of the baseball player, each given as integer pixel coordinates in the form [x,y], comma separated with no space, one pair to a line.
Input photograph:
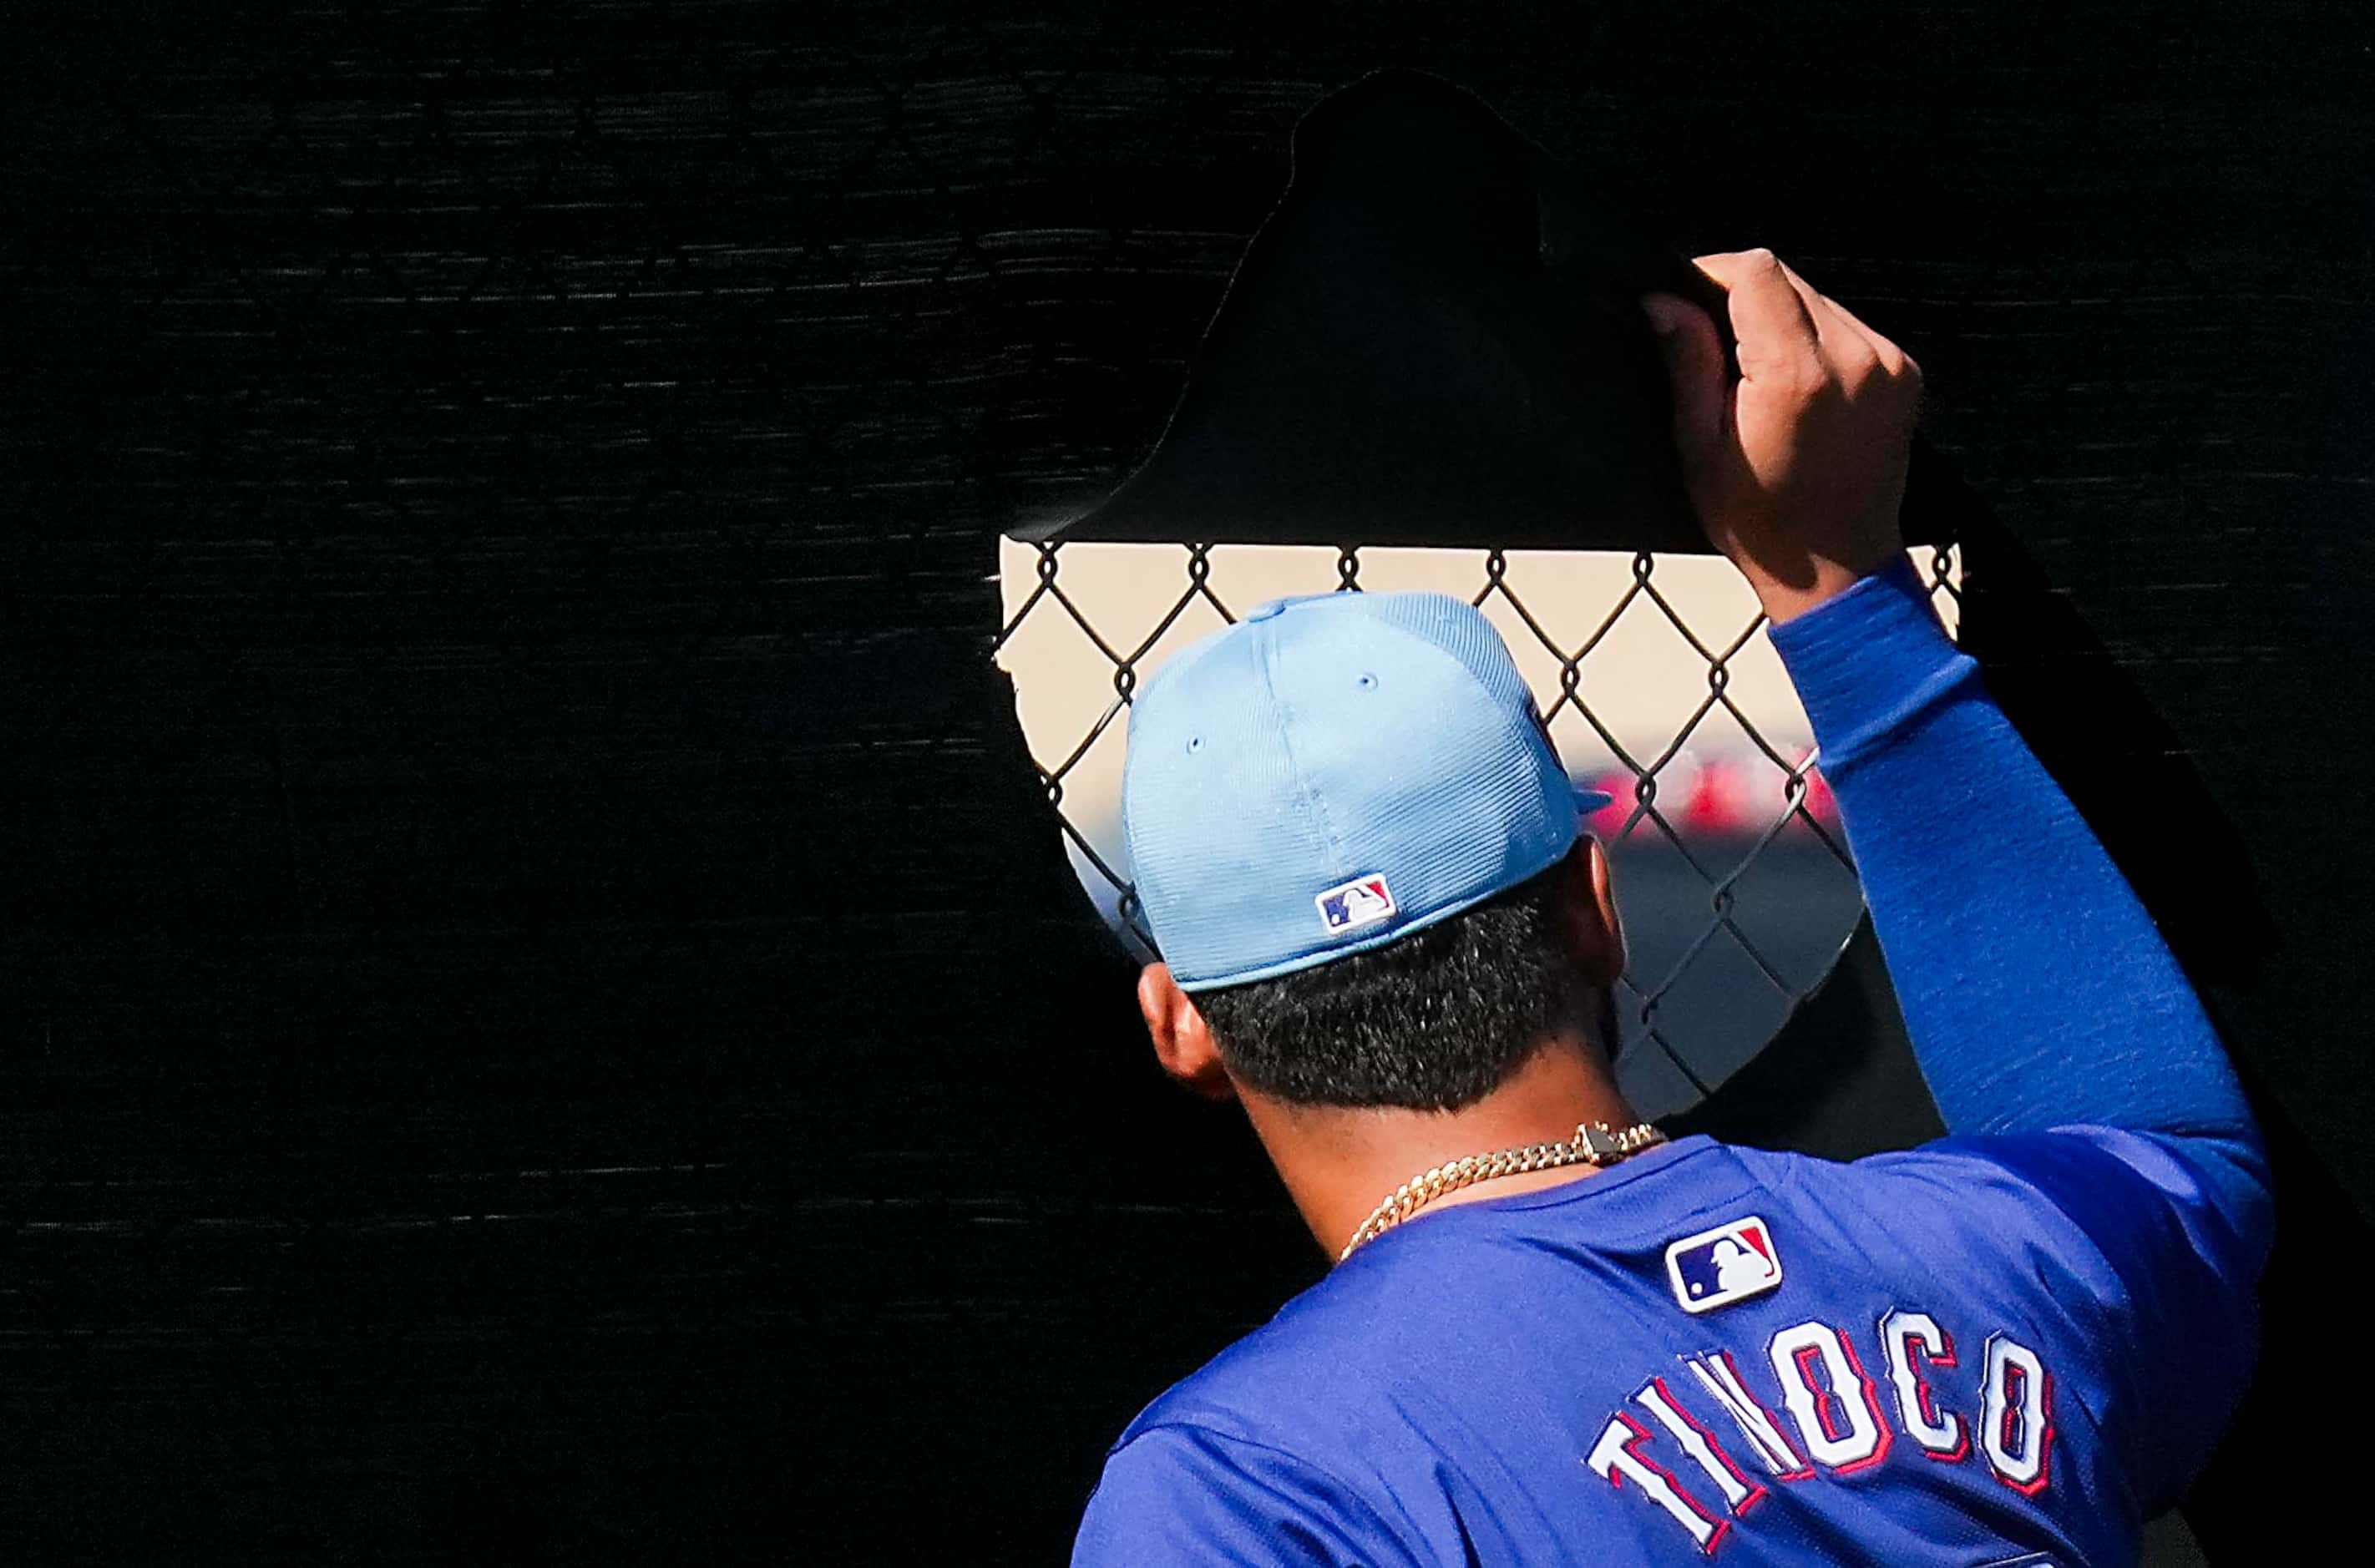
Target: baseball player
[1554,1335]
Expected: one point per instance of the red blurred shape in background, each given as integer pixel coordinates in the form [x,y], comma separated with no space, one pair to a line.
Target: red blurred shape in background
[1727,797]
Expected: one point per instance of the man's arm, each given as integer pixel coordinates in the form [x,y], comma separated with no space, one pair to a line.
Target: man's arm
[2038,995]
[2037,992]
[2035,987]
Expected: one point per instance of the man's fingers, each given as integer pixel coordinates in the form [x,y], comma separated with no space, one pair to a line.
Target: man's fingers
[1850,345]
[1856,351]
[1826,338]
[1844,319]
[1849,348]
[1893,359]
[1695,366]
[1778,336]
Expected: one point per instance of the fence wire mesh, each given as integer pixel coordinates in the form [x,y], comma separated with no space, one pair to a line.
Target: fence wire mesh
[1659,683]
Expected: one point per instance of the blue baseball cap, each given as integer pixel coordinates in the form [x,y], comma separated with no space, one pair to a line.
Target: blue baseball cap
[1330,775]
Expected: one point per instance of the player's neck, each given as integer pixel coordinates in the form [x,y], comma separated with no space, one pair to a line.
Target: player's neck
[1340,1163]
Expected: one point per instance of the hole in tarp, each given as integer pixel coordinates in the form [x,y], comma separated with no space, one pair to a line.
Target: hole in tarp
[1660,686]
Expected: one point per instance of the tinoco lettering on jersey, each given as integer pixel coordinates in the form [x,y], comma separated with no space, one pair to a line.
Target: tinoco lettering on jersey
[1818,1407]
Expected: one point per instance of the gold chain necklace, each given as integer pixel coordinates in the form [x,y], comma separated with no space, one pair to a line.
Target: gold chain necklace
[1593,1143]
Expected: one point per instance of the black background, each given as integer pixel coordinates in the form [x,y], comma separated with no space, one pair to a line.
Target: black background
[543,1014]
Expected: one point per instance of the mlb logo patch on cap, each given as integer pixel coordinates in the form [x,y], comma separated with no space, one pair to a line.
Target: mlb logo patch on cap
[1348,906]
[1728,1264]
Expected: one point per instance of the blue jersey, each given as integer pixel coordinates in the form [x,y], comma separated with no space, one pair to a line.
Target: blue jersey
[2004,1350]
[2011,1346]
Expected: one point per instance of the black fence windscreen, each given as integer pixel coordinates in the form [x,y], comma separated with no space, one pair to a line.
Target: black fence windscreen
[544,1013]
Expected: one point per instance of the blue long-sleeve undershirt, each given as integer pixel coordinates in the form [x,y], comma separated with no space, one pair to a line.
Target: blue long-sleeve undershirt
[2037,991]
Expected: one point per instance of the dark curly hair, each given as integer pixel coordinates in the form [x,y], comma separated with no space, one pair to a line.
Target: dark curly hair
[1431,1022]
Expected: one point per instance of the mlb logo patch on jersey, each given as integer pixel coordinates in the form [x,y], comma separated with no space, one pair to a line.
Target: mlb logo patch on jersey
[1348,906]
[1728,1264]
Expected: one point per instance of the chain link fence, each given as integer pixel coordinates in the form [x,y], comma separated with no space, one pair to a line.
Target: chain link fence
[1660,686]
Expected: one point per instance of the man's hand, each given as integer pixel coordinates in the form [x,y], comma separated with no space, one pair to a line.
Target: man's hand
[1796,469]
